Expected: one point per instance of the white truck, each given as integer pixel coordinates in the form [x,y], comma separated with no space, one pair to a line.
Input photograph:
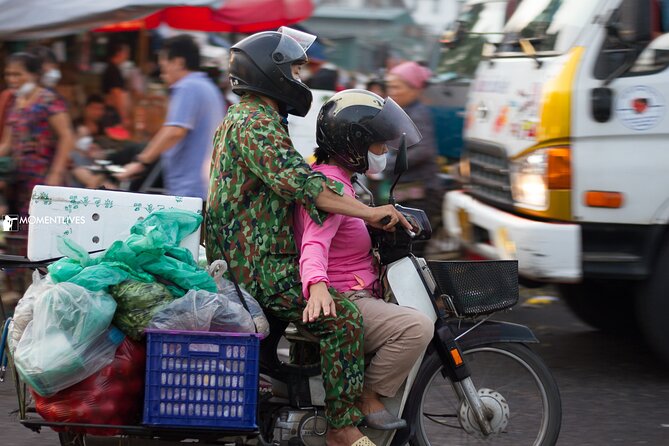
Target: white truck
[566,159]
[478,22]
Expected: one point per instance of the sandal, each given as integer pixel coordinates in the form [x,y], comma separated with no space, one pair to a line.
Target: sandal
[383,420]
[364,441]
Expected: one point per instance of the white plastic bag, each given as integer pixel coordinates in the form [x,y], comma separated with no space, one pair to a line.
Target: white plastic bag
[23,313]
[227,288]
[56,363]
[203,311]
[68,339]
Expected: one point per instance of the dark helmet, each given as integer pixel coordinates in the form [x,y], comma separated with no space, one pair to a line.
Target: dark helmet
[352,120]
[262,63]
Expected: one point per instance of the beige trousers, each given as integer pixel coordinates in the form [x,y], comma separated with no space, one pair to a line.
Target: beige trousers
[396,336]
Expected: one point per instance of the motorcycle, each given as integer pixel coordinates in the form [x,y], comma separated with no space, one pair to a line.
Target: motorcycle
[477,382]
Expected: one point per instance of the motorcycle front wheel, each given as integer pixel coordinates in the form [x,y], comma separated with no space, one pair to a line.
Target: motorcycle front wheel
[511,370]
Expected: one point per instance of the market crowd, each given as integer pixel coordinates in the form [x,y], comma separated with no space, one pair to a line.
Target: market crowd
[113,137]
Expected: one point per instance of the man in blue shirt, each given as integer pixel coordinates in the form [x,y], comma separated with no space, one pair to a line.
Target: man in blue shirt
[185,141]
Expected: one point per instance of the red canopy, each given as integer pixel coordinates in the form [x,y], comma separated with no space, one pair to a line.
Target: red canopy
[242,16]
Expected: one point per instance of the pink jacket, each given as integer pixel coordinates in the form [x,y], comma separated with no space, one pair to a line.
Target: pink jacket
[337,253]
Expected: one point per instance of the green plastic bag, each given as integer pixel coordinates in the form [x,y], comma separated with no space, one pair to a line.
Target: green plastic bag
[152,250]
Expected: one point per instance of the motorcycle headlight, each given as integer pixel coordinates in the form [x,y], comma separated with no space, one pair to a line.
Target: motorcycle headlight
[535,174]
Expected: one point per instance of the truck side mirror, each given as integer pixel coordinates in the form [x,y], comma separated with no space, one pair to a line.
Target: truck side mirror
[602,103]
[630,23]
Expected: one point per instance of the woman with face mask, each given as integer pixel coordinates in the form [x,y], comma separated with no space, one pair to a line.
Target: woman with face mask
[51,74]
[355,128]
[38,132]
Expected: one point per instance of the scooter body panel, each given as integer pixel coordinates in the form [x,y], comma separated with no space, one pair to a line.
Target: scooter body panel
[408,287]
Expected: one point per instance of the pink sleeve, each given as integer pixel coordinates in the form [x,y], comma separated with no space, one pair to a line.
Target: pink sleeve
[314,247]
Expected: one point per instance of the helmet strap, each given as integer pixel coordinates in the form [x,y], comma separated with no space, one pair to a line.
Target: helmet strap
[283,110]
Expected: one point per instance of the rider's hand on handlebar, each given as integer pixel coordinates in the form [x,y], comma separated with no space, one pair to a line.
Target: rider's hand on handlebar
[386,217]
[319,300]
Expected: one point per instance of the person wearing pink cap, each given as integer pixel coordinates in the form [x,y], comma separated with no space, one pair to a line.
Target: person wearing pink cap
[420,186]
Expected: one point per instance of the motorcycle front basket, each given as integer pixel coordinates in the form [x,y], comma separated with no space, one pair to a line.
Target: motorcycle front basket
[476,288]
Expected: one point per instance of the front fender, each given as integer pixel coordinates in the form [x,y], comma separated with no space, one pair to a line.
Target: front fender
[489,332]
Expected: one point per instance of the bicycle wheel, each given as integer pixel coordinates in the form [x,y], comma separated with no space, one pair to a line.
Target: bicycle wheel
[517,377]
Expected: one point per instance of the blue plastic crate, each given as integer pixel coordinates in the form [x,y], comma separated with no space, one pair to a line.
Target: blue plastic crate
[200,379]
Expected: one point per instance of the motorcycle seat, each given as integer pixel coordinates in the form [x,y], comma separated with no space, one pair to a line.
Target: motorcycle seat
[298,333]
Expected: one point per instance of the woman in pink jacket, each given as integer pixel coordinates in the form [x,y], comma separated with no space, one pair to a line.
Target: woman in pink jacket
[353,130]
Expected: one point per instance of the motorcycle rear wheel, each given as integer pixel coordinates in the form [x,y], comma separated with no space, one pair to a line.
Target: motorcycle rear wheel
[70,439]
[513,370]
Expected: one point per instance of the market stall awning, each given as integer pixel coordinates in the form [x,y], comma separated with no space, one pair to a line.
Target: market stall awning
[243,16]
[29,19]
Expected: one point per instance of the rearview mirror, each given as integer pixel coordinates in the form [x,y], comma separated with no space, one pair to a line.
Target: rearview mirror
[602,103]
[401,165]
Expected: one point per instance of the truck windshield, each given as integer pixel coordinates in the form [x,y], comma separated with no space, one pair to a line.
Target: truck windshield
[551,26]
[477,24]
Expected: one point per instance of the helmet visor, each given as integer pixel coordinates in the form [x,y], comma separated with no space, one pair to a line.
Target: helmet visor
[293,45]
[391,122]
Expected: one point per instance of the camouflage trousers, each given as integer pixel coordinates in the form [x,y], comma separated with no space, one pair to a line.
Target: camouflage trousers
[342,357]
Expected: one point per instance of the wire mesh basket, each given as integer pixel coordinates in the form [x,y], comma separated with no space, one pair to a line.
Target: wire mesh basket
[477,287]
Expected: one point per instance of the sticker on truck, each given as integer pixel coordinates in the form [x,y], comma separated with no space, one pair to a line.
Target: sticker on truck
[640,107]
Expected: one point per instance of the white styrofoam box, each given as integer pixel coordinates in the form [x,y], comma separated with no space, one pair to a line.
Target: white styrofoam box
[94,218]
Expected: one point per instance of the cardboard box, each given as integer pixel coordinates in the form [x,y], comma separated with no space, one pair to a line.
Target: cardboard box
[94,218]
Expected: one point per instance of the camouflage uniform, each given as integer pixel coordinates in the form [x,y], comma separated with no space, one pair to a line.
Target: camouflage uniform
[256,176]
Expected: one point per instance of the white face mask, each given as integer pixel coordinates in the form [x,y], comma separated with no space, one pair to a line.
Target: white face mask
[305,74]
[376,163]
[84,143]
[51,77]
[25,89]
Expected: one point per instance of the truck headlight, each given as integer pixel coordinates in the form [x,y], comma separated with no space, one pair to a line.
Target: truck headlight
[533,175]
[464,169]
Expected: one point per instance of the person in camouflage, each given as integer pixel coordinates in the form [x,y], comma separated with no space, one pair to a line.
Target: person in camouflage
[256,178]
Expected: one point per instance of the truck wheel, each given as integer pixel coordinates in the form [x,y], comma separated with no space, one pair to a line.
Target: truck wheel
[606,305]
[653,307]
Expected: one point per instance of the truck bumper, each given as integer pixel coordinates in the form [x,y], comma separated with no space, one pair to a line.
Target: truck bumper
[549,252]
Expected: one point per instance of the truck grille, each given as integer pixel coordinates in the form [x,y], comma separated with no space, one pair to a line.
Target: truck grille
[490,180]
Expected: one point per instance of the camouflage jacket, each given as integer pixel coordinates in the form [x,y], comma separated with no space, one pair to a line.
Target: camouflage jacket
[256,177]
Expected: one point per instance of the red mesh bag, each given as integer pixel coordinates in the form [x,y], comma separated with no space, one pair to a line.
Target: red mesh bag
[114,395]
